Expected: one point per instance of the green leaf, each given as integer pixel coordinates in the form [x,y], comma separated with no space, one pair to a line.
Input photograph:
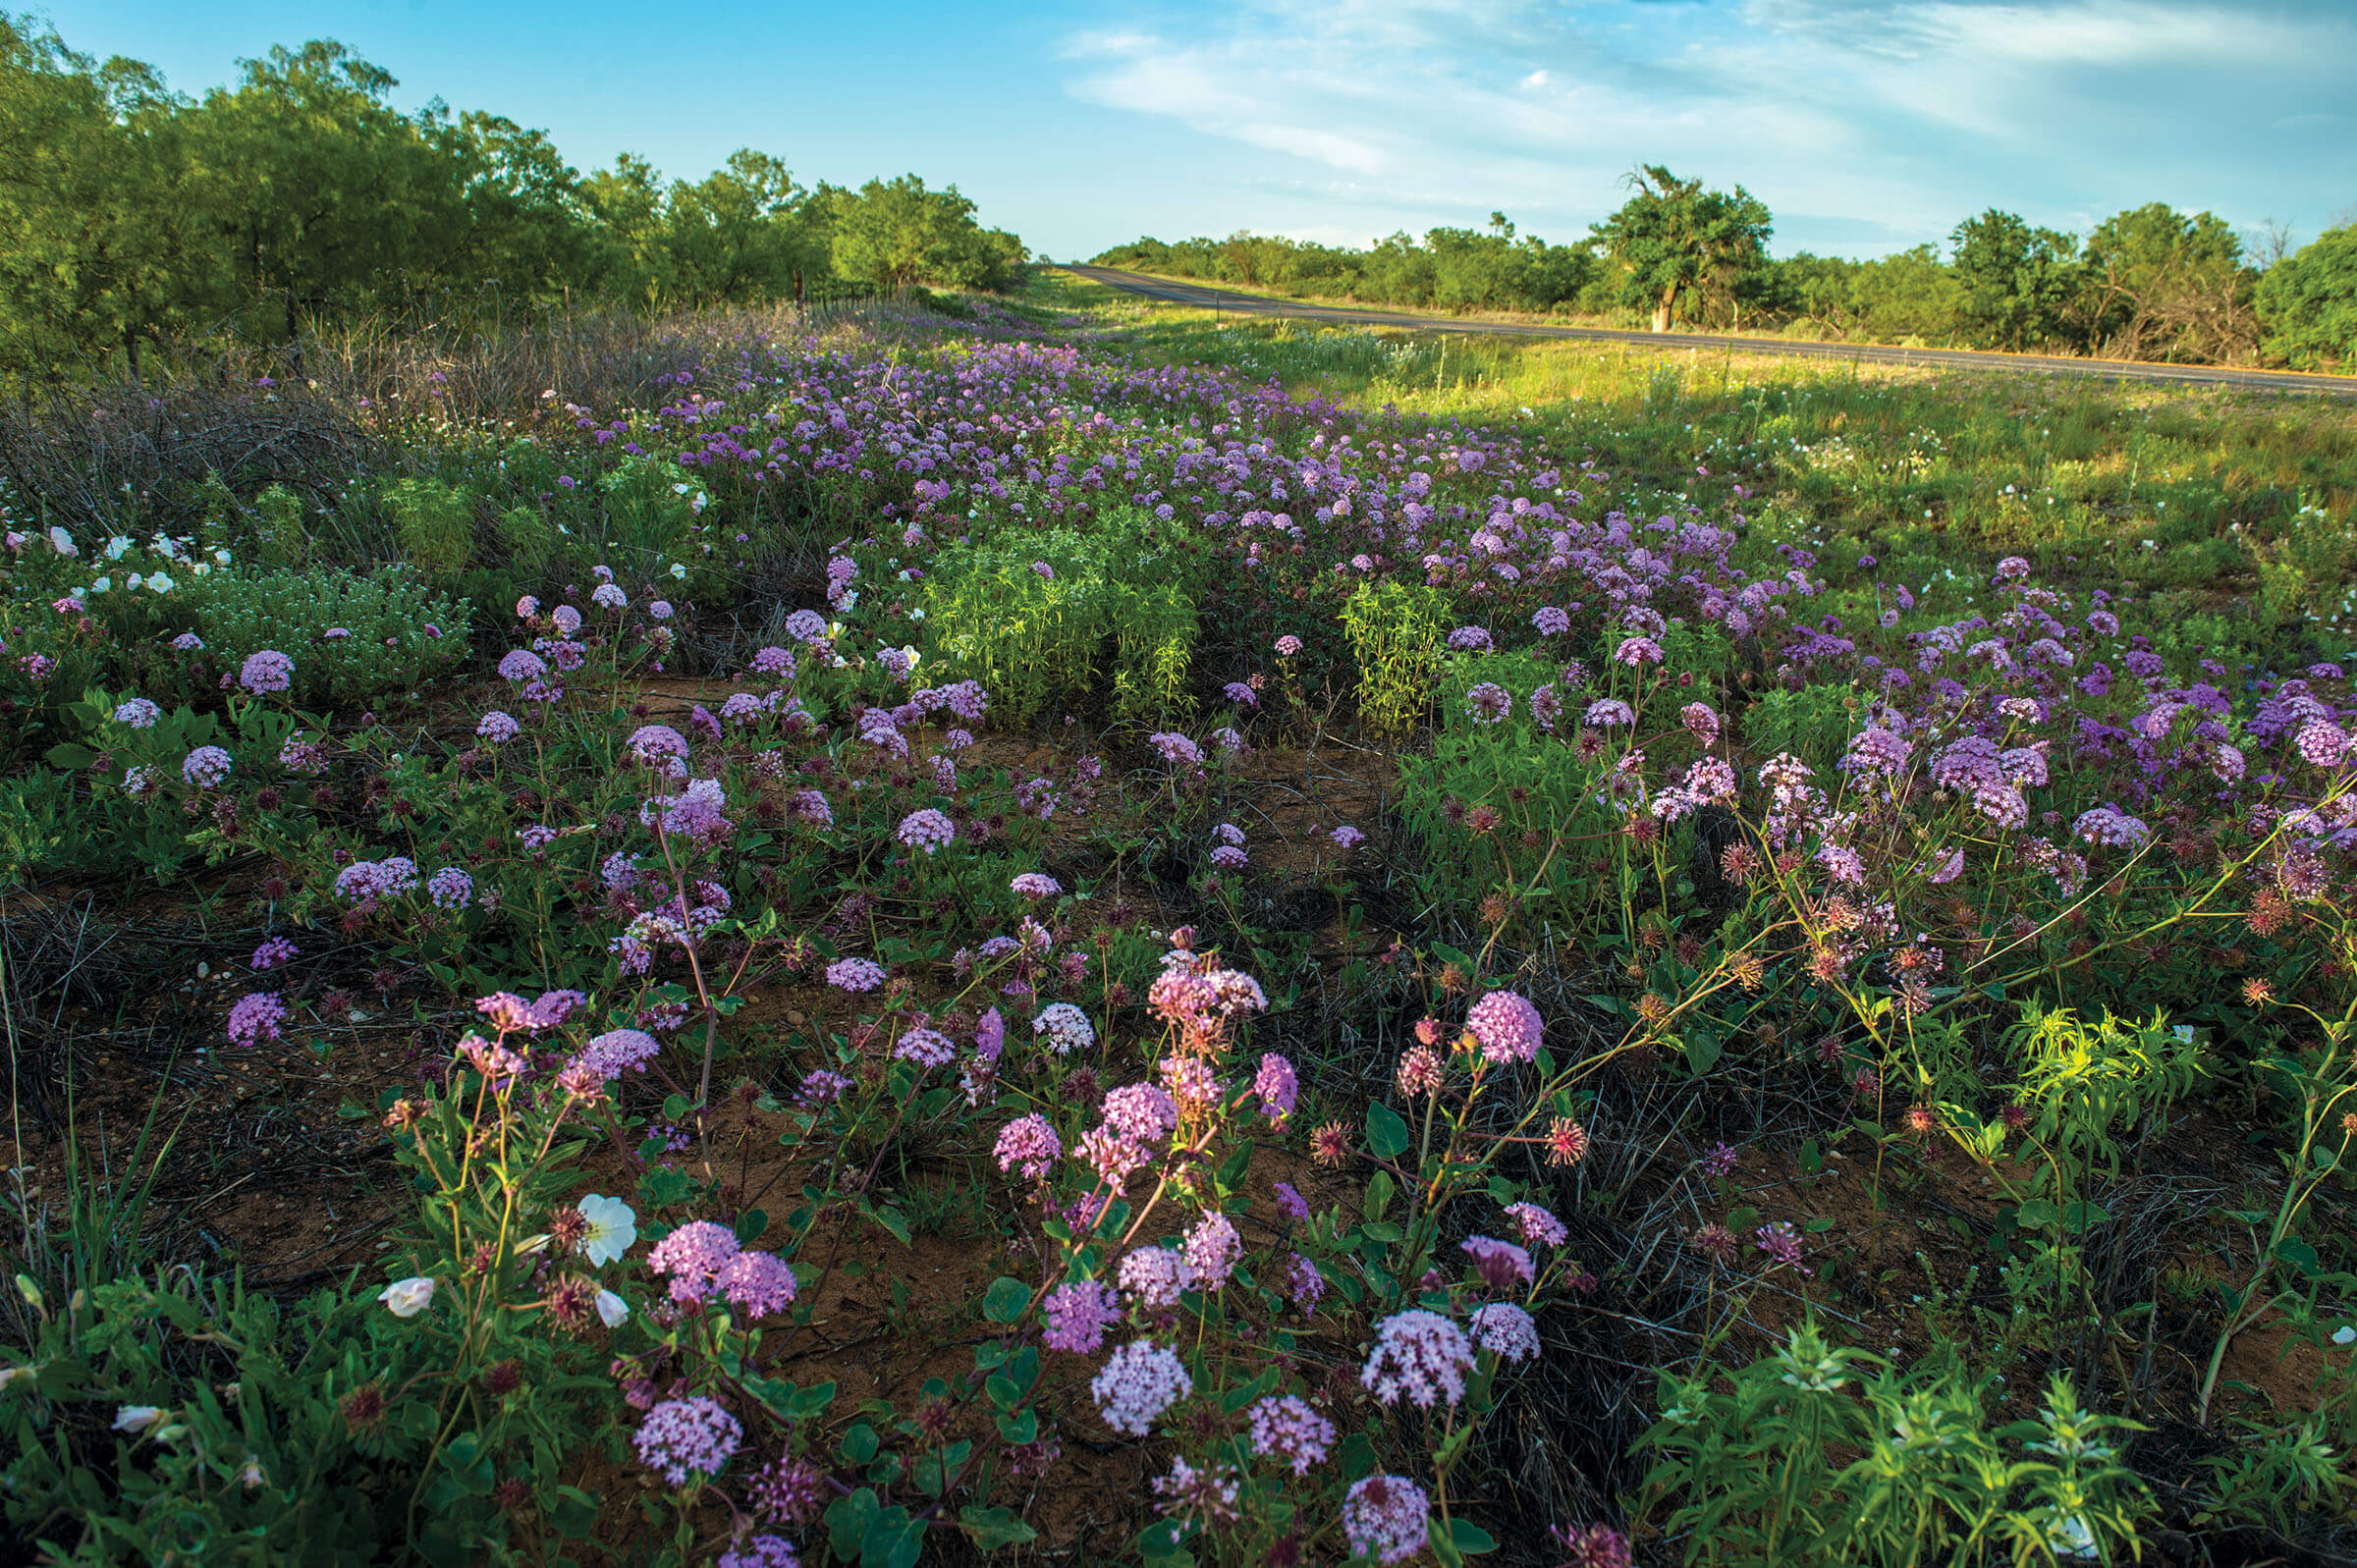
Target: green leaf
[1020,1428]
[848,1517]
[574,1514]
[1007,1299]
[2297,1253]
[988,1529]
[1382,1230]
[894,1540]
[70,758]
[2037,1214]
[1387,1134]
[750,1224]
[1702,1051]
[1469,1537]
[889,1217]
[1379,1195]
[859,1445]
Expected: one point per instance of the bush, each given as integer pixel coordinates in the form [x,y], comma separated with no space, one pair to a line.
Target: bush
[352,637]
[1036,639]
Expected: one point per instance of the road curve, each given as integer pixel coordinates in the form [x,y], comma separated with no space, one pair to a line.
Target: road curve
[1204,298]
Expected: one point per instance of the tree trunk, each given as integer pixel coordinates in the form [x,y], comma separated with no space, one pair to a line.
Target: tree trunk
[1661,311]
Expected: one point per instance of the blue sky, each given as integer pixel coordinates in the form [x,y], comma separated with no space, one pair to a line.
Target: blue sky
[1866,124]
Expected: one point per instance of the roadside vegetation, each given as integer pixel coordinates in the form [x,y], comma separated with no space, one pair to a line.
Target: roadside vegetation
[2148,283]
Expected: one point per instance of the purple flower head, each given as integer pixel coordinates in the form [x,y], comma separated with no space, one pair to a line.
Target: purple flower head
[266,672]
[618,1051]
[1077,1314]
[1156,1276]
[1276,1086]
[684,1439]
[522,664]
[927,829]
[1501,1265]
[1213,1249]
[255,1019]
[854,974]
[1139,1381]
[1385,1518]
[206,766]
[1285,1429]
[1504,1329]
[275,953]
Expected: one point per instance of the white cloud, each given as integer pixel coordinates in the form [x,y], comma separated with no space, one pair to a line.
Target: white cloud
[1895,115]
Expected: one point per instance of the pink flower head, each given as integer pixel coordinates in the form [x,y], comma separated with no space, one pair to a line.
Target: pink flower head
[1507,1026]
[618,1051]
[1288,645]
[1501,1265]
[1213,1247]
[756,1284]
[693,1258]
[1418,1355]
[1029,1145]
[206,766]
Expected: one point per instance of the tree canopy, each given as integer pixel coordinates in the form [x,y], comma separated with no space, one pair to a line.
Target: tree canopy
[299,192]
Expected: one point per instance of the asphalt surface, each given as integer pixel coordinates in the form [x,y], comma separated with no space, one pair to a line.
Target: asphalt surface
[1203,296]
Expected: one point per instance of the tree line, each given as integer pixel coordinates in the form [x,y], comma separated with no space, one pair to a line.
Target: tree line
[2150,283]
[130,214]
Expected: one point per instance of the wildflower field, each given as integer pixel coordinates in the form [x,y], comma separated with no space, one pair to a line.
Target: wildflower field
[1041,931]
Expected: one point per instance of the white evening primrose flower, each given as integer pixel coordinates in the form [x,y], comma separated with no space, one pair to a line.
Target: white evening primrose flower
[2345,1334]
[62,542]
[407,1298]
[221,557]
[612,1227]
[137,1418]
[160,583]
[612,1310]
[679,569]
[133,582]
[102,585]
[117,548]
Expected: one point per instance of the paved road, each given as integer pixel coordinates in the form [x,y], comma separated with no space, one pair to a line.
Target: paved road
[1204,298]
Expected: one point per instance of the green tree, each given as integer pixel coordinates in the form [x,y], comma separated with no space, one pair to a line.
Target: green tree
[2016,280]
[1911,295]
[896,233]
[2157,284]
[2308,304]
[97,239]
[1683,251]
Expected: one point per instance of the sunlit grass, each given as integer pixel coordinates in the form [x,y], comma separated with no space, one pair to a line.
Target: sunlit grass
[2238,501]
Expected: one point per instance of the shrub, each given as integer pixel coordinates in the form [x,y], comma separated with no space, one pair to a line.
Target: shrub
[351,636]
[434,522]
[1397,630]
[1037,638]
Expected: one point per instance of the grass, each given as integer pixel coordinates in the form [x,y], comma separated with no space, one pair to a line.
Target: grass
[2236,504]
